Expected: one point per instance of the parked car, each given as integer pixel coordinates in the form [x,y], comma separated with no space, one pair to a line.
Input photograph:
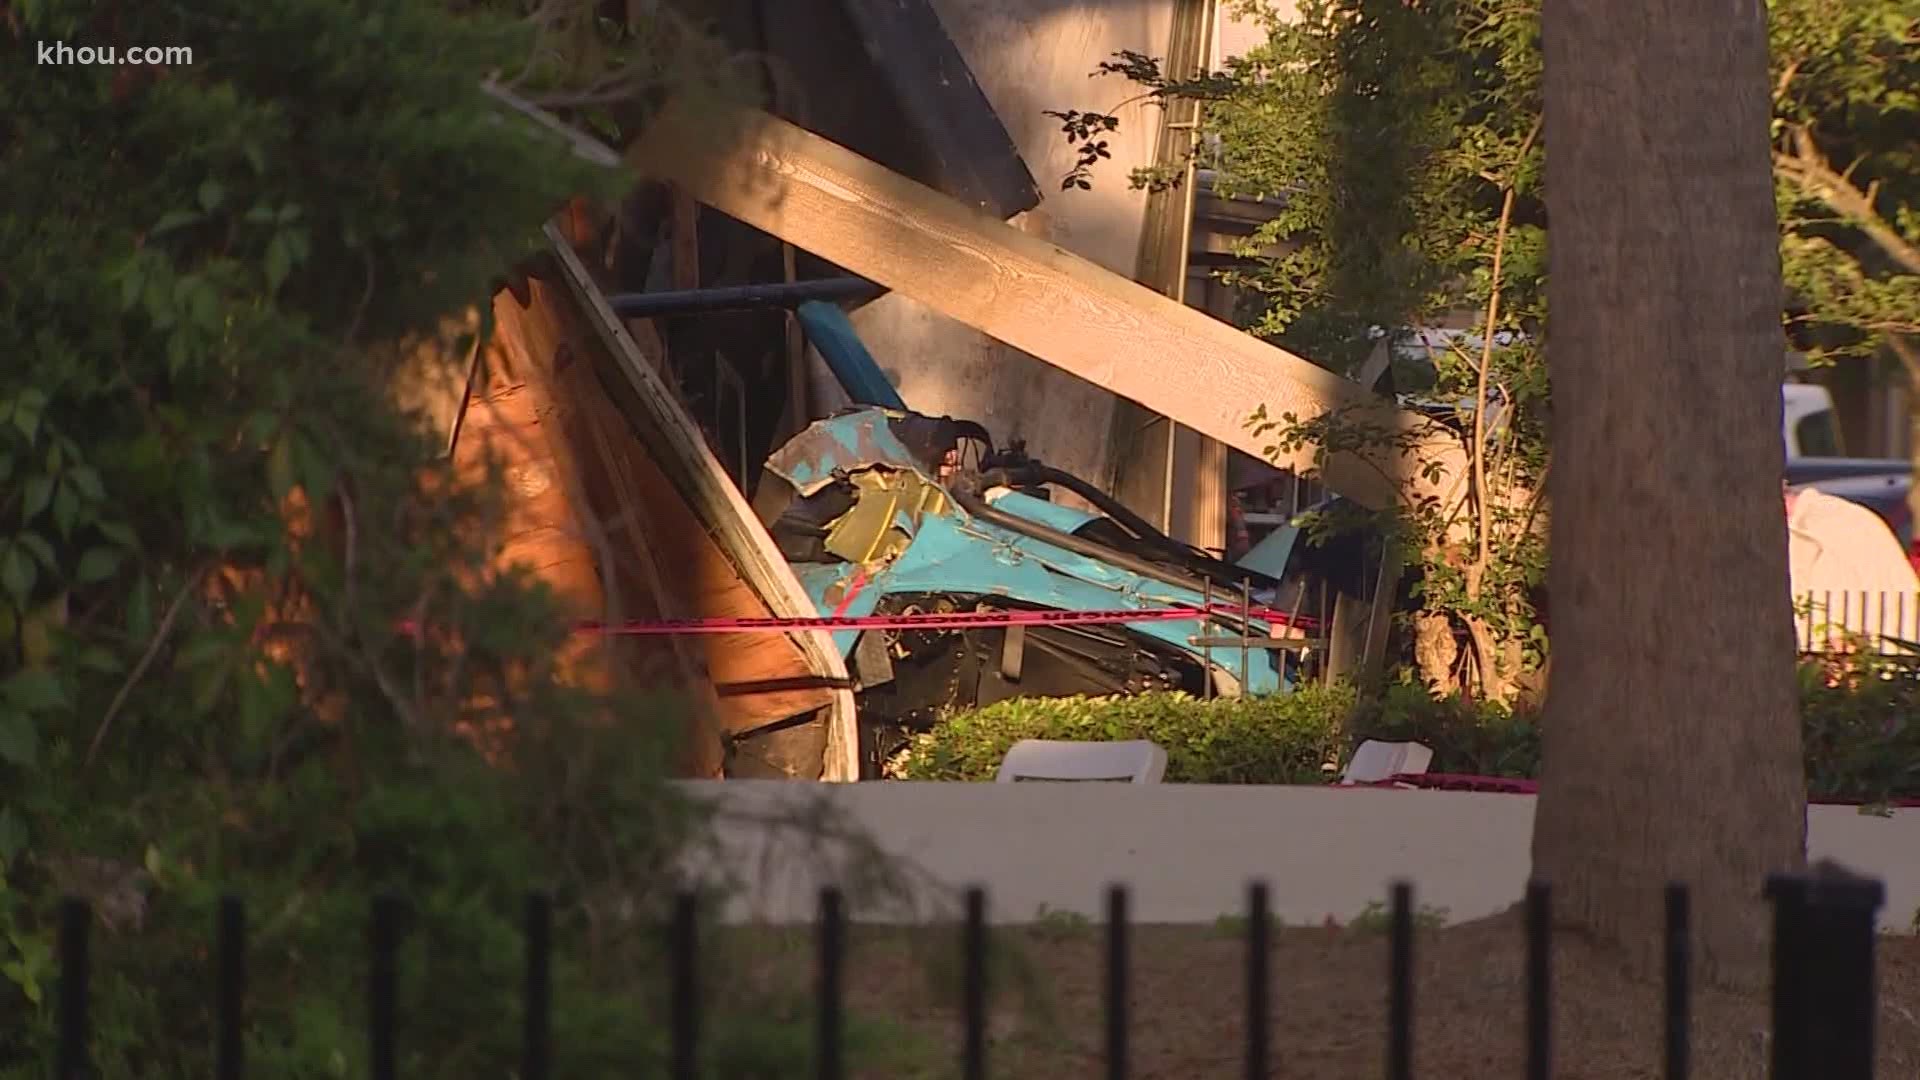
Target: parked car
[1816,459]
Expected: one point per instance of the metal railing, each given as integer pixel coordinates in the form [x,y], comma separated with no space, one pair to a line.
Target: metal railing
[1831,621]
[1824,995]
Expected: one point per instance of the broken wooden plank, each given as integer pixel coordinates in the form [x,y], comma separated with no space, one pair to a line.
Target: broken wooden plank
[1033,295]
[682,454]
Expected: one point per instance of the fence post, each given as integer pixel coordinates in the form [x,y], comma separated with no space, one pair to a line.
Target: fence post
[1400,982]
[536,1062]
[230,1044]
[1824,987]
[76,919]
[973,987]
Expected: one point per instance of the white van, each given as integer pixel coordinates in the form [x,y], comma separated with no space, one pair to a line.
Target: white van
[1808,423]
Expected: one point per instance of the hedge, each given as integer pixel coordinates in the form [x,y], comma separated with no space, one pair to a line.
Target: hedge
[1862,734]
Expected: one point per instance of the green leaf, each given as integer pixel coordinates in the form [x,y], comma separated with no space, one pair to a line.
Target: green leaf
[19,741]
[209,685]
[34,690]
[280,468]
[66,510]
[17,573]
[13,835]
[132,286]
[98,564]
[87,479]
[37,545]
[203,649]
[205,305]
[173,219]
[210,195]
[37,493]
[101,661]
[279,261]
[120,533]
[27,419]
[140,611]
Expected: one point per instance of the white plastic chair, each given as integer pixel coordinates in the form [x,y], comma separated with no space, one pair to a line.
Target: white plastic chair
[1137,762]
[1375,761]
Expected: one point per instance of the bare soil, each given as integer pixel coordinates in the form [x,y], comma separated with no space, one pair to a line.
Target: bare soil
[1328,1019]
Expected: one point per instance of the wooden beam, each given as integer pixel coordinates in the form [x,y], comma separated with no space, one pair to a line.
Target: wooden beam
[1028,293]
[971,155]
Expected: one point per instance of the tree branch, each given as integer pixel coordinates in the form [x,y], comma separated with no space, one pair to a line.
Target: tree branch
[160,635]
[1483,513]
[1807,167]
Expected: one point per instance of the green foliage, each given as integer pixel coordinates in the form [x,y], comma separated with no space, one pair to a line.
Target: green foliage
[1847,161]
[1050,924]
[1406,178]
[1392,136]
[1235,925]
[1483,739]
[213,520]
[1376,919]
[1284,739]
[1862,724]
[1862,733]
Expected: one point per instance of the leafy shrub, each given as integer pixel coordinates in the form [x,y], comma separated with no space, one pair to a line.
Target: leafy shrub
[1862,733]
[213,514]
[1286,739]
[1487,739]
[1862,724]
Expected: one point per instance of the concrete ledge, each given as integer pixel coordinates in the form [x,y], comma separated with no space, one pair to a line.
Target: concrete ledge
[1186,851]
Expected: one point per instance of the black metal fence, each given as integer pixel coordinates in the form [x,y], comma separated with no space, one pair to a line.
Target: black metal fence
[1824,994]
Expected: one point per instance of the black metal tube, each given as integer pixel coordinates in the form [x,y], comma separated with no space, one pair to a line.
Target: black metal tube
[1259,923]
[383,987]
[1400,982]
[1539,980]
[1117,983]
[537,1038]
[1789,896]
[1679,981]
[828,1060]
[973,991]
[683,942]
[230,1044]
[1198,562]
[655,305]
[76,919]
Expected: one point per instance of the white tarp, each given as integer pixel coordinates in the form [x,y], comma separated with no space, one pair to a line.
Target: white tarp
[1849,574]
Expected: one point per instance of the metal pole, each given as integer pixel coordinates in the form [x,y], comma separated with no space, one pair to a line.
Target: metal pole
[732,298]
[1246,628]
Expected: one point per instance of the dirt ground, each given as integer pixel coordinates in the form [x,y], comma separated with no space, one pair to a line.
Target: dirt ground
[1329,1006]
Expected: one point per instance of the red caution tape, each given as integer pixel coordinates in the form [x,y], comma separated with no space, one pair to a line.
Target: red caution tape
[959,620]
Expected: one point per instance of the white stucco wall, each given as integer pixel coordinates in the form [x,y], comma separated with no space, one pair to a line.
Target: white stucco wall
[1186,851]
[1030,56]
